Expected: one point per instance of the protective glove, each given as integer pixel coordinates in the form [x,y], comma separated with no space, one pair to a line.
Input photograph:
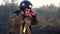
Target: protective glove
[33,13]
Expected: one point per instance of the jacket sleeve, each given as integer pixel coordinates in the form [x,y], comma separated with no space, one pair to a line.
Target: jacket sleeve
[35,20]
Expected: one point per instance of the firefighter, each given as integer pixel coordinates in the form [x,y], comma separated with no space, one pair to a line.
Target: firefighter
[25,15]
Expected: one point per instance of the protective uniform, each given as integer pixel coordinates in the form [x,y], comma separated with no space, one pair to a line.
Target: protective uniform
[19,18]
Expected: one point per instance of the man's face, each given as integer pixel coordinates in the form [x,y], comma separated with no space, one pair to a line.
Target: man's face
[27,11]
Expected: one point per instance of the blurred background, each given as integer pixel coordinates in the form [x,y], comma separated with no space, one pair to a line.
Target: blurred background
[47,10]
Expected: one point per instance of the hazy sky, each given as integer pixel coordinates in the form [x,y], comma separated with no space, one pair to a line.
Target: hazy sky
[40,2]
[1,2]
[44,2]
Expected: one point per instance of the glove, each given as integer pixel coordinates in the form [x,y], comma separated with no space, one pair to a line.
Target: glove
[33,13]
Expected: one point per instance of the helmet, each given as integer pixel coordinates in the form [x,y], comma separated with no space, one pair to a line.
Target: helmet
[25,4]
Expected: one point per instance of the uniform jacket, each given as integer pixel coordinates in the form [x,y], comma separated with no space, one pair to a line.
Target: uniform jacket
[16,19]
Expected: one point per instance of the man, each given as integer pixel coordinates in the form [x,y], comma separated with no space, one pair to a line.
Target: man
[23,17]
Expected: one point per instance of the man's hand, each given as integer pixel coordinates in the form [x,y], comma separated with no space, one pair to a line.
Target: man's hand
[33,13]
